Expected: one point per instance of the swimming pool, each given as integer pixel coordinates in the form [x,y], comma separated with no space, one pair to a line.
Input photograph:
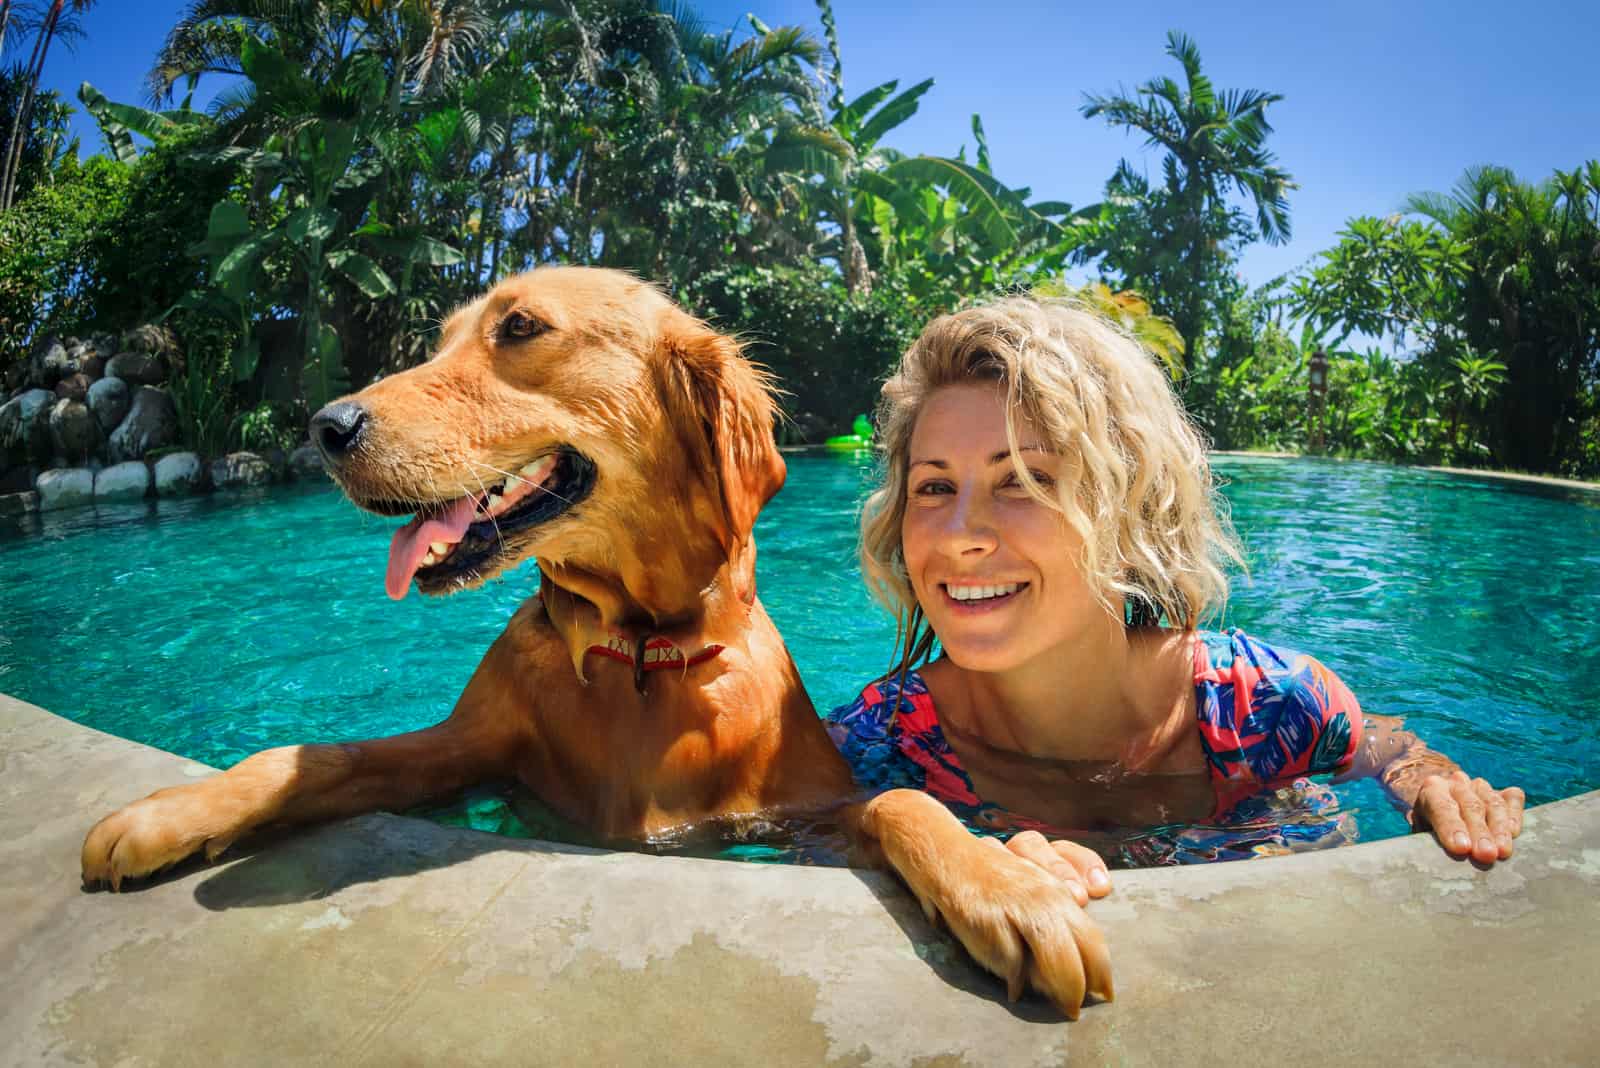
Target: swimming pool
[219,626]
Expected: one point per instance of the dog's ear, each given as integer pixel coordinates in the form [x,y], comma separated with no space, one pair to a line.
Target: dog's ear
[728,401]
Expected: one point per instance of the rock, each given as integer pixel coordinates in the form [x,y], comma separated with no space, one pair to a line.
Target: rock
[138,368]
[306,462]
[48,363]
[151,422]
[93,366]
[11,443]
[15,378]
[73,387]
[240,470]
[150,338]
[15,504]
[179,474]
[25,426]
[128,481]
[73,430]
[65,487]
[109,399]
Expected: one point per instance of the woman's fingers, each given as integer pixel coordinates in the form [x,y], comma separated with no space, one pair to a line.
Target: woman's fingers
[1469,817]
[1505,816]
[1474,807]
[1515,799]
[1032,846]
[1436,808]
[1091,868]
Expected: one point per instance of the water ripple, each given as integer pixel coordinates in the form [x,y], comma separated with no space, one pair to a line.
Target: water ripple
[215,627]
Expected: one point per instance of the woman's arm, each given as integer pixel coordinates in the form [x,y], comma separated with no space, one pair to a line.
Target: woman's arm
[1467,816]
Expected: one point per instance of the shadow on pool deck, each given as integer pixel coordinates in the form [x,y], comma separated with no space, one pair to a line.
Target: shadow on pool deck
[386,940]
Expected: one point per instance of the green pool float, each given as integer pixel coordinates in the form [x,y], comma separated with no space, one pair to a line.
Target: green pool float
[855,442]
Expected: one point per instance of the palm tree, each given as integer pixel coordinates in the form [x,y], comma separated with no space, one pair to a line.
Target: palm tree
[57,21]
[6,7]
[1531,298]
[680,167]
[1213,143]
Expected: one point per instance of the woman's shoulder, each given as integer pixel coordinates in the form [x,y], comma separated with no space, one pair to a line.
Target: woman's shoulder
[1220,654]
[1273,708]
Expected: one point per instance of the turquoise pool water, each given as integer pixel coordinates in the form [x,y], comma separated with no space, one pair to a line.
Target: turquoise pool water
[220,626]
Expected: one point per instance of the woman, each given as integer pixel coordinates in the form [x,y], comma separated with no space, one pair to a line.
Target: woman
[1046,504]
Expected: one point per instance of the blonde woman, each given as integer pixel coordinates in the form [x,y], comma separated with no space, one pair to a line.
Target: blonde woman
[1047,516]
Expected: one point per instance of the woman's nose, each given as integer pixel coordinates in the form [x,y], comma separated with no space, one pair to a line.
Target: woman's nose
[971,528]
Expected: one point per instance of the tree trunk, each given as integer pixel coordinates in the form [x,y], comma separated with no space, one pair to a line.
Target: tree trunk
[16,138]
[21,121]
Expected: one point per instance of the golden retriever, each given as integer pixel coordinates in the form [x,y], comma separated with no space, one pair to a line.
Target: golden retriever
[577,416]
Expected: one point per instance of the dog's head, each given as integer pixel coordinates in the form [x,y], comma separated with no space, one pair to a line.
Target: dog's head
[571,414]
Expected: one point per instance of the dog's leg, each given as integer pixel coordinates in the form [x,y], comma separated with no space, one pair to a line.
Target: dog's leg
[310,783]
[1016,919]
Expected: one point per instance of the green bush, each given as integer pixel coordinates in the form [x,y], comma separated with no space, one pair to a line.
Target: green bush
[48,253]
[829,350]
[1248,390]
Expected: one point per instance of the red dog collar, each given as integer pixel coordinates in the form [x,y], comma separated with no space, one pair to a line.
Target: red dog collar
[650,654]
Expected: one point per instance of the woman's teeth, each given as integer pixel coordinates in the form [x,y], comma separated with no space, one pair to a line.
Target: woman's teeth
[981,593]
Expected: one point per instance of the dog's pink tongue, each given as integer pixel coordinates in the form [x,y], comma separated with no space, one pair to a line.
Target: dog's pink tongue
[410,543]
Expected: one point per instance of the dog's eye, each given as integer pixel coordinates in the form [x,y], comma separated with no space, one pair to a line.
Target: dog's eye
[520,326]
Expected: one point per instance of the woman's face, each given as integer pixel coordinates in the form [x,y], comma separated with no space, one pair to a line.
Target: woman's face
[996,572]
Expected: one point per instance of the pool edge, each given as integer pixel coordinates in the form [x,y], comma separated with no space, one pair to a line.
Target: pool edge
[386,939]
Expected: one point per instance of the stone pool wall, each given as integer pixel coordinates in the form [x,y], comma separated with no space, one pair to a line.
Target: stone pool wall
[86,420]
[384,940]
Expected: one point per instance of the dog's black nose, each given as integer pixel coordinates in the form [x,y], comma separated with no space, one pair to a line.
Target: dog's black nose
[337,428]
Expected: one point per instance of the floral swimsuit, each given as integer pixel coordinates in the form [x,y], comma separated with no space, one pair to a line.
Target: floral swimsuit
[1267,717]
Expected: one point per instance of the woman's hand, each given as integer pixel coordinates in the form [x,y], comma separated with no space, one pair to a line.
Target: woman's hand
[1468,816]
[1079,867]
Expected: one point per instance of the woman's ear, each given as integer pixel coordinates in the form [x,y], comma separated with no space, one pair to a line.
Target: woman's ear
[729,400]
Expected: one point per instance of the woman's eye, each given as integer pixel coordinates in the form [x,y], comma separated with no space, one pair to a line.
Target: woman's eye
[932,488]
[1013,482]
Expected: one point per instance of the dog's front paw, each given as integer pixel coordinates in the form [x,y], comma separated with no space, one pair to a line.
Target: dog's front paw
[152,834]
[1021,923]
[1018,919]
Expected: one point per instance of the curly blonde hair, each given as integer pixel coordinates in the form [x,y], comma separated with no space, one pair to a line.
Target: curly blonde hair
[1135,485]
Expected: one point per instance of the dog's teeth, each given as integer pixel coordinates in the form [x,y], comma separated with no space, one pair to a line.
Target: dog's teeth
[430,559]
[438,548]
[536,471]
[494,501]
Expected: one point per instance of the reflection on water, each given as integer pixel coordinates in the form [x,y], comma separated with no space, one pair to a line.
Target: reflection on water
[216,627]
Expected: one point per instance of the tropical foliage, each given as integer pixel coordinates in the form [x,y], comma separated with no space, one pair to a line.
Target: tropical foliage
[370,164]
[1492,292]
[1173,240]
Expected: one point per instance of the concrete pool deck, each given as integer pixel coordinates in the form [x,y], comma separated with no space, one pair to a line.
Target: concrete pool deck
[393,941]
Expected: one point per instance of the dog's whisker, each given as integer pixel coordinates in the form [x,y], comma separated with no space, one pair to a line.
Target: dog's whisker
[499,535]
[518,478]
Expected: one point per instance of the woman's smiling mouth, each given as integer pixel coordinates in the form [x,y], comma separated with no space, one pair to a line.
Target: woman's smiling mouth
[977,597]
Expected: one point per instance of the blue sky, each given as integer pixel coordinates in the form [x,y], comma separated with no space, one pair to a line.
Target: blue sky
[1381,99]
